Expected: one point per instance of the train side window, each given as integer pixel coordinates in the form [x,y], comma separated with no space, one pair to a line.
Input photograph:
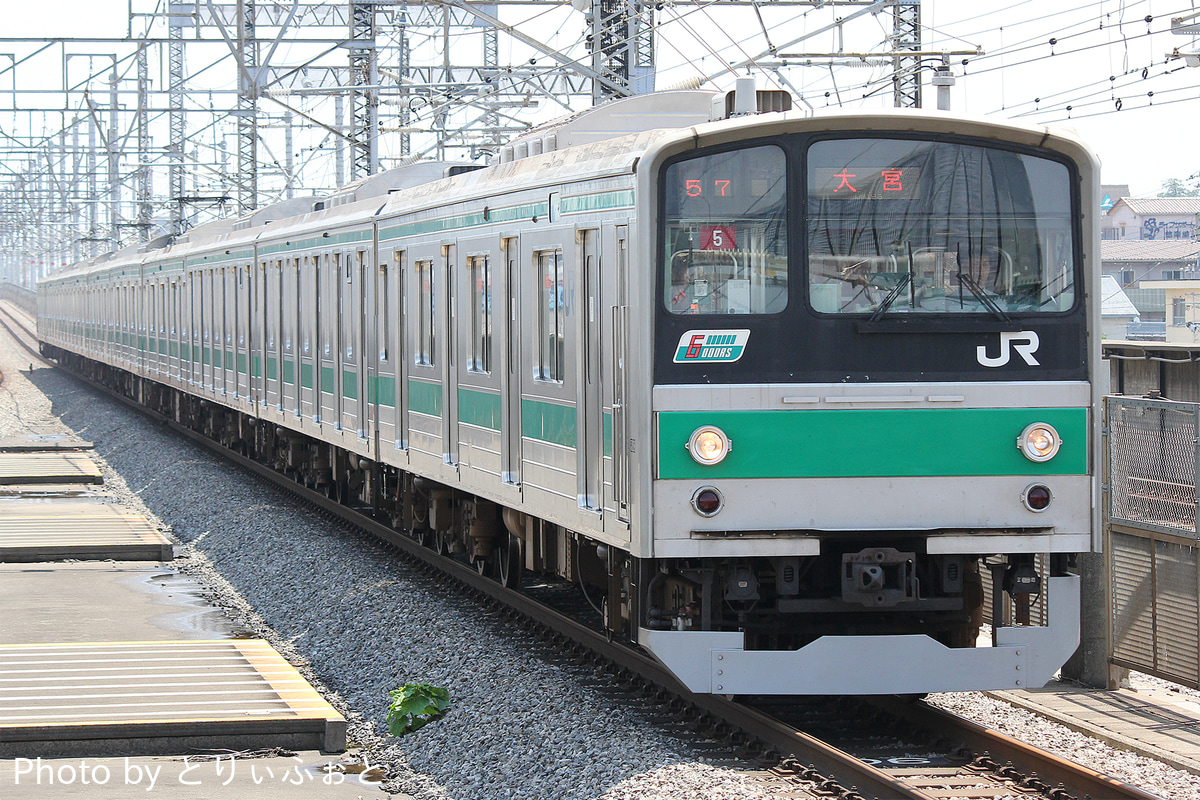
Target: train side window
[325,286]
[479,273]
[424,317]
[551,325]
[725,242]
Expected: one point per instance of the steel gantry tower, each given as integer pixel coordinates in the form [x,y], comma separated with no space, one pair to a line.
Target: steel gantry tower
[906,43]
[364,97]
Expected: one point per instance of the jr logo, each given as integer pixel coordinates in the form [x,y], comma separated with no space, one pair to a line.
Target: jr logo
[1024,342]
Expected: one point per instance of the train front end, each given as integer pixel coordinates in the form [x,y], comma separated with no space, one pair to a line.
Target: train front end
[873,404]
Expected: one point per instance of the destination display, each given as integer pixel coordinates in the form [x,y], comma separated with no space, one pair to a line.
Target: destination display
[858,181]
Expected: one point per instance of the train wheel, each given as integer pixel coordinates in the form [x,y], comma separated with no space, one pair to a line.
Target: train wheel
[509,562]
[441,542]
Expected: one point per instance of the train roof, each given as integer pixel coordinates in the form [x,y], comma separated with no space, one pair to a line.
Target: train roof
[604,141]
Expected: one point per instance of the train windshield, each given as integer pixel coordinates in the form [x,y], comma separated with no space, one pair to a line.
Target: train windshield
[933,227]
[726,233]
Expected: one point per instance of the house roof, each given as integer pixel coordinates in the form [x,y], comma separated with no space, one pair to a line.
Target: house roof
[1113,300]
[1160,205]
[1149,250]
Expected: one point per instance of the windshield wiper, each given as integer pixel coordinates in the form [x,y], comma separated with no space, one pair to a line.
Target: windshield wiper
[966,280]
[891,298]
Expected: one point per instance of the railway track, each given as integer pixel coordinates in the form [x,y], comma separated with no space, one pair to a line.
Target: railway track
[865,748]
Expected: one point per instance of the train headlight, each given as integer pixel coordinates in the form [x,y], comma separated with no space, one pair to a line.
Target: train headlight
[1039,442]
[709,445]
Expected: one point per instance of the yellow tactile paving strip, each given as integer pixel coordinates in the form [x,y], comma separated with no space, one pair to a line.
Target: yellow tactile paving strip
[139,685]
[39,528]
[48,467]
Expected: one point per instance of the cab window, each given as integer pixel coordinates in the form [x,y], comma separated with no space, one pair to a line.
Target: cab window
[725,221]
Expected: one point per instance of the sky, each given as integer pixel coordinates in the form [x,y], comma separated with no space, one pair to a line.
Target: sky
[1138,110]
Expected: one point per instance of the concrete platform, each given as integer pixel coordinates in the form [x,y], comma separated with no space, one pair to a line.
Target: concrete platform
[1156,723]
[101,658]
[110,698]
[48,467]
[48,526]
[41,442]
[95,601]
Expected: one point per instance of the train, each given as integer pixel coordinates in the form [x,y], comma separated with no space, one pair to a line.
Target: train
[804,403]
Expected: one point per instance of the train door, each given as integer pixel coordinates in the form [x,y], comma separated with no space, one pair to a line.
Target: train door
[307,294]
[450,277]
[204,291]
[549,423]
[164,364]
[510,379]
[216,308]
[216,327]
[270,301]
[384,352]
[287,334]
[295,334]
[366,321]
[590,458]
[351,323]
[195,373]
[327,312]
[280,331]
[139,326]
[477,412]
[173,331]
[620,359]
[205,320]
[149,364]
[401,359]
[258,336]
[340,279]
[243,337]
[229,275]
[151,328]
[160,331]
[423,394]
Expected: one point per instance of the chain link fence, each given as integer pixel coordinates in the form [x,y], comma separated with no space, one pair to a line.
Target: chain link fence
[1154,572]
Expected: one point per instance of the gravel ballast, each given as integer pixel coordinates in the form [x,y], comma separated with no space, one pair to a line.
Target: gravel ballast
[523,723]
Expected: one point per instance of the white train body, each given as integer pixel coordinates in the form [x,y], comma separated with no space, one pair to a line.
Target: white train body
[512,362]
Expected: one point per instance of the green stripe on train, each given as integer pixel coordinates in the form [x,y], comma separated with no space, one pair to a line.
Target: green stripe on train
[383,391]
[425,398]
[872,443]
[481,408]
[548,422]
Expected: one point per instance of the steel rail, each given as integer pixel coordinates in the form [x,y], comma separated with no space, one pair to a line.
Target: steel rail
[1026,758]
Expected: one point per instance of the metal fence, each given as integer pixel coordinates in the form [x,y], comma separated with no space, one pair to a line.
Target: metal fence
[1154,572]
[19,295]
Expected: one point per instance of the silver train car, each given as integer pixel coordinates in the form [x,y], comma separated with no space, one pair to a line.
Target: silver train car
[802,403]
